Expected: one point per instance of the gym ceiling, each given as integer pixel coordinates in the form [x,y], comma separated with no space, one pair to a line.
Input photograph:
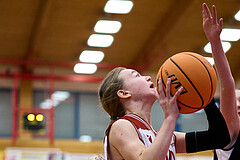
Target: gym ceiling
[46,37]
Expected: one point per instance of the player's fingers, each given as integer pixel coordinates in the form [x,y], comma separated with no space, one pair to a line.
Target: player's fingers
[160,88]
[179,91]
[168,87]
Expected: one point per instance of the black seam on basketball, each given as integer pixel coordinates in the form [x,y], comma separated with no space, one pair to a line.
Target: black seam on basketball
[208,75]
[172,95]
[189,81]
[187,105]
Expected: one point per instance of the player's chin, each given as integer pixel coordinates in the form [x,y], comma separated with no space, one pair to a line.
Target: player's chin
[156,95]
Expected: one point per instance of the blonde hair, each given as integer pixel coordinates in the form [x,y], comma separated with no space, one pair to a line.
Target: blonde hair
[108,93]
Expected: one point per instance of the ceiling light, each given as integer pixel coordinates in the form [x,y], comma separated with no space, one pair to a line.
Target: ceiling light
[237,16]
[210,60]
[229,34]
[226,47]
[85,68]
[91,56]
[100,40]
[118,6]
[106,26]
[48,103]
[57,97]
[60,95]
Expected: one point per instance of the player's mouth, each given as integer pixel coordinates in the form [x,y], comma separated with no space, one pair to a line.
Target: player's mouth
[152,85]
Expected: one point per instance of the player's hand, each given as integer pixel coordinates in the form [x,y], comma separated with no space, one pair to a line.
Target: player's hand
[211,26]
[168,102]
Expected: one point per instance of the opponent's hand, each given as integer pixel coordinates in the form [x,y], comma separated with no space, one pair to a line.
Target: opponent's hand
[211,26]
[168,102]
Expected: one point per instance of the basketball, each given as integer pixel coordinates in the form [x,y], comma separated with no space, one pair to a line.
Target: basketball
[195,74]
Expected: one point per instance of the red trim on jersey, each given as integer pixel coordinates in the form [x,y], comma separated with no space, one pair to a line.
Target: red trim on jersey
[136,121]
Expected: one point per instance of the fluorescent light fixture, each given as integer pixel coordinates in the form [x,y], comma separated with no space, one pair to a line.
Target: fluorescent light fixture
[226,47]
[210,60]
[118,6]
[85,68]
[91,56]
[100,40]
[60,95]
[106,26]
[57,97]
[237,16]
[229,34]
[48,103]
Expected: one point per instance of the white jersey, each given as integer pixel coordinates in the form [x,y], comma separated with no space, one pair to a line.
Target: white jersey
[222,154]
[145,133]
[232,153]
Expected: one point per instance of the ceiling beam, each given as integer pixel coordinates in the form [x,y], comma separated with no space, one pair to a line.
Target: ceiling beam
[60,64]
[76,78]
[155,49]
[39,27]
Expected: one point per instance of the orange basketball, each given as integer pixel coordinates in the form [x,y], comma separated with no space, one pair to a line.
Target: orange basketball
[195,74]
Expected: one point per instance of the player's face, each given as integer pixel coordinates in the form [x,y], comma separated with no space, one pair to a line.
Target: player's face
[238,100]
[136,84]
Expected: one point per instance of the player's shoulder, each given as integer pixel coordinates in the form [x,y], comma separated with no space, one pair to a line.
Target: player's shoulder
[121,124]
[122,127]
[122,132]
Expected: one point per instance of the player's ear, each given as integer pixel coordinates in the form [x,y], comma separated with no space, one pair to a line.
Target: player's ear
[123,94]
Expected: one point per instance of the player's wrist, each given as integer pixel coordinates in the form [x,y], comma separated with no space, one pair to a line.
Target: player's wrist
[171,116]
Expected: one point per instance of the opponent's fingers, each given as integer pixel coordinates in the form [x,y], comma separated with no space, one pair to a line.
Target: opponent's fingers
[206,10]
[214,14]
[221,22]
[168,87]
[204,14]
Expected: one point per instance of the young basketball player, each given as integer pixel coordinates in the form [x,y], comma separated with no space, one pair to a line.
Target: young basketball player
[128,97]
[229,97]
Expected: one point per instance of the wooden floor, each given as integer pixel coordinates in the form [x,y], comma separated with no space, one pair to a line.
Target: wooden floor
[70,146]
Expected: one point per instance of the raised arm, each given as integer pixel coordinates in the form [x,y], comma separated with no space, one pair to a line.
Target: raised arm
[125,140]
[212,29]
